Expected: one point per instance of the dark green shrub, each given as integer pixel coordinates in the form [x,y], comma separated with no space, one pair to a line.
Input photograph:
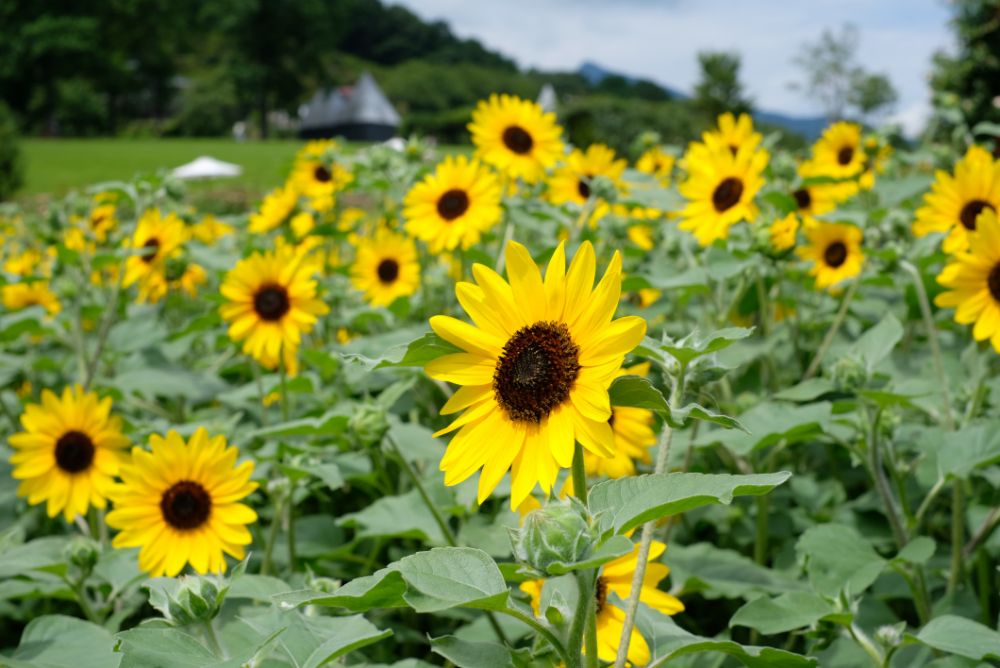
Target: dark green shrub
[11,158]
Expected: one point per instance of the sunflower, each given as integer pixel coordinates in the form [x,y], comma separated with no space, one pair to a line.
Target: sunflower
[616,577]
[835,251]
[633,430]
[877,152]
[318,174]
[160,238]
[210,229]
[838,152]
[179,504]
[720,189]
[277,206]
[516,136]
[815,199]
[656,162]
[782,232]
[535,370]
[972,279]
[69,452]
[102,220]
[17,296]
[732,134]
[453,206]
[272,301]
[189,278]
[956,200]
[571,182]
[385,268]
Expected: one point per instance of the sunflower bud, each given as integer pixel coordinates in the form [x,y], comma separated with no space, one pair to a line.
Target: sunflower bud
[601,187]
[368,424]
[849,374]
[560,532]
[82,552]
[187,599]
[889,635]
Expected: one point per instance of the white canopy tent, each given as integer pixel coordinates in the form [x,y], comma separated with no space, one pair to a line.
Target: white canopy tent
[206,167]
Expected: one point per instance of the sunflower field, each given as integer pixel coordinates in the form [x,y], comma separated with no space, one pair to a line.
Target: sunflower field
[536,405]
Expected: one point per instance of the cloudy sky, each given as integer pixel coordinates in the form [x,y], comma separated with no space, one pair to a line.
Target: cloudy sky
[658,39]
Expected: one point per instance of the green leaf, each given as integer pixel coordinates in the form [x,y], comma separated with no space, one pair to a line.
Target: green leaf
[918,551]
[695,344]
[876,344]
[807,390]
[58,641]
[794,610]
[405,516]
[318,640]
[611,549]
[256,587]
[382,589]
[964,637]
[623,504]
[969,448]
[416,353]
[714,572]
[41,553]
[142,647]
[333,422]
[464,654]
[838,559]
[152,382]
[770,422]
[668,642]
[678,417]
[638,392]
[450,577]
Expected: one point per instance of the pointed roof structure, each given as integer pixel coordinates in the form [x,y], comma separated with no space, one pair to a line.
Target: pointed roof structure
[206,167]
[547,99]
[364,103]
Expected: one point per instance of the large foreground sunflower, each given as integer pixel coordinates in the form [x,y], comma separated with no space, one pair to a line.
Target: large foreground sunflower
[69,452]
[179,504]
[616,577]
[732,134]
[385,268]
[956,200]
[535,370]
[720,189]
[835,251]
[972,279]
[453,206]
[157,239]
[272,301]
[633,430]
[516,136]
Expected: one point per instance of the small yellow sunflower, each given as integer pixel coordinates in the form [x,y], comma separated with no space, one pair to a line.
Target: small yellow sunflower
[732,134]
[535,370]
[877,151]
[17,296]
[210,229]
[656,162]
[271,302]
[956,200]
[102,220]
[783,232]
[180,504]
[158,238]
[720,189]
[835,251]
[318,173]
[516,136]
[972,279]
[453,206]
[838,152]
[571,181]
[302,224]
[189,279]
[31,262]
[641,236]
[276,208]
[616,577]
[633,430]
[386,268]
[69,452]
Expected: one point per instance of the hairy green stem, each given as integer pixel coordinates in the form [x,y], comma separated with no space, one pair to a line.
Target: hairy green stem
[213,639]
[272,538]
[585,582]
[831,333]
[579,474]
[545,632]
[104,329]
[284,388]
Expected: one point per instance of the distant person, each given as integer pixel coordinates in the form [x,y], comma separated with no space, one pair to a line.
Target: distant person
[240,131]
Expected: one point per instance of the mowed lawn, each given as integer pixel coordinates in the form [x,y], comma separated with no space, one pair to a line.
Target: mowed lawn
[55,166]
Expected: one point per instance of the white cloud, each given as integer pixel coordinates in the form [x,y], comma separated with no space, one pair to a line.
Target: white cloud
[659,40]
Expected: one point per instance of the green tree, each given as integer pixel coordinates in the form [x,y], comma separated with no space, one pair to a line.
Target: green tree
[719,90]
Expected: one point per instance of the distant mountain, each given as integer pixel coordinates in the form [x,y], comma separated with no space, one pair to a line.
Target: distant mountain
[809,127]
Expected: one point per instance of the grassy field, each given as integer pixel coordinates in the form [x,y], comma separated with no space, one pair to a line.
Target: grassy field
[55,166]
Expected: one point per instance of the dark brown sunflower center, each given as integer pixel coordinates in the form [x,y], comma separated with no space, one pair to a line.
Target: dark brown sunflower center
[388,270]
[74,452]
[845,155]
[802,198]
[835,254]
[583,186]
[734,149]
[322,174]
[453,204]
[271,302]
[601,593]
[517,139]
[97,220]
[727,194]
[153,246]
[536,371]
[971,211]
[993,281]
[186,505]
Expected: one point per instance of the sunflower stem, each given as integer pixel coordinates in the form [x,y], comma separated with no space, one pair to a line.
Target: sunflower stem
[446,531]
[213,639]
[646,541]
[831,333]
[284,388]
[105,328]
[579,474]
[585,584]
[260,392]
[545,632]
[290,533]
[957,536]
[272,538]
